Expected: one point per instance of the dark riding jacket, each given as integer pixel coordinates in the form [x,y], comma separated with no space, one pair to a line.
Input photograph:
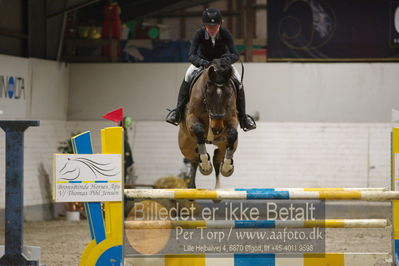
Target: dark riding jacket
[203,51]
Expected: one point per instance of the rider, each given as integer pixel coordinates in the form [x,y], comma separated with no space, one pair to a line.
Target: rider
[210,42]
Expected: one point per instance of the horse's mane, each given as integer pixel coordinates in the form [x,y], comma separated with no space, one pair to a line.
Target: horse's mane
[219,66]
[204,80]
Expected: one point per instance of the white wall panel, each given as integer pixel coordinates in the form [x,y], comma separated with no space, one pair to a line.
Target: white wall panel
[46,85]
[50,86]
[280,92]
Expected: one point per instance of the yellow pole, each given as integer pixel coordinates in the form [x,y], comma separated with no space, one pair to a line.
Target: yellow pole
[395,187]
[112,246]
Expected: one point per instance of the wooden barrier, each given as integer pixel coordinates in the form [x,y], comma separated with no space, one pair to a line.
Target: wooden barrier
[327,223]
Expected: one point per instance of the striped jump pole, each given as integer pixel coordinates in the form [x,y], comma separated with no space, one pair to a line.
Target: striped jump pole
[306,259]
[315,189]
[259,194]
[327,223]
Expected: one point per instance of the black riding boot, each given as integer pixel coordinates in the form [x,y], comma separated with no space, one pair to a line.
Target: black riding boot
[246,121]
[174,117]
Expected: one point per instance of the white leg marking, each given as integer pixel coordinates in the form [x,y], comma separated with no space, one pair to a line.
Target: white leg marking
[227,167]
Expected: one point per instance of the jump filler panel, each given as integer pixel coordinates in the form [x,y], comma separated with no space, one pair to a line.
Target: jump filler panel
[87,177]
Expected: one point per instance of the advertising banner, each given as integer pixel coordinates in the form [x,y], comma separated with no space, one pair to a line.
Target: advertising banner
[14,87]
[331,30]
[88,177]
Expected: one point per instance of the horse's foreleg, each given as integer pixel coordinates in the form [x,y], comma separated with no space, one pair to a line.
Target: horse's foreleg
[227,166]
[205,165]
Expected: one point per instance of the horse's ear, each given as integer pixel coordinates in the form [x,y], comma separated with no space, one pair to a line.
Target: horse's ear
[211,73]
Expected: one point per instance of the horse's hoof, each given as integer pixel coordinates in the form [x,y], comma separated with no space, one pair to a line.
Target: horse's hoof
[206,171]
[205,165]
[227,167]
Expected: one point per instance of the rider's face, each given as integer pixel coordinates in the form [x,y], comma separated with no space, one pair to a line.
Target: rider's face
[212,30]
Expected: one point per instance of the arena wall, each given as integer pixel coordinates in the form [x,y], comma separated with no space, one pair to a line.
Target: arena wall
[279,92]
[339,150]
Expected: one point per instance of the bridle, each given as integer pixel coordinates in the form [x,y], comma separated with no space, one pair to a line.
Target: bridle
[208,110]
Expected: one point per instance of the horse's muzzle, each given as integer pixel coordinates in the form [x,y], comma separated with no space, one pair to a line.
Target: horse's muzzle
[217,131]
[216,126]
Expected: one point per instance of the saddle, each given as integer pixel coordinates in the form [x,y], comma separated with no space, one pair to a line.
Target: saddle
[194,77]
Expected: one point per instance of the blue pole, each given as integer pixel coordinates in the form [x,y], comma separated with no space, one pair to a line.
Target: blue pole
[14,216]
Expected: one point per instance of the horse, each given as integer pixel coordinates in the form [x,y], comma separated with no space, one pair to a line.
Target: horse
[210,116]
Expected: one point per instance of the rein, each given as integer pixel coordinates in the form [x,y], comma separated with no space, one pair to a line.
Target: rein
[242,71]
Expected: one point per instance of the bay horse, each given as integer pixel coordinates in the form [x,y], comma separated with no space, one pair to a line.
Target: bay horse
[210,117]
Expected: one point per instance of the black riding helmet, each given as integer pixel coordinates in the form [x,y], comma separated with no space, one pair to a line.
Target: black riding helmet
[211,17]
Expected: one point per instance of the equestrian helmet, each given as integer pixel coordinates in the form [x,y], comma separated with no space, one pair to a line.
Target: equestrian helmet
[211,17]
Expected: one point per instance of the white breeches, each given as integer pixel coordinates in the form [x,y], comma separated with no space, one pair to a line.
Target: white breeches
[191,69]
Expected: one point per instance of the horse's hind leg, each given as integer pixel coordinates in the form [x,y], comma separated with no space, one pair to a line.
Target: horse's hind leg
[217,159]
[193,172]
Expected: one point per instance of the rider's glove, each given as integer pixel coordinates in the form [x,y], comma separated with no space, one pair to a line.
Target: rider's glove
[224,61]
[205,63]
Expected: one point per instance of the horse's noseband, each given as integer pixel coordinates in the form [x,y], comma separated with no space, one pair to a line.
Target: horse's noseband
[217,116]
